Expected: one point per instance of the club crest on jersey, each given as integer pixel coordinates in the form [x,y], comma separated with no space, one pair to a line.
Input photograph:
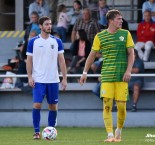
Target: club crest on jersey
[103,91]
[52,46]
[121,38]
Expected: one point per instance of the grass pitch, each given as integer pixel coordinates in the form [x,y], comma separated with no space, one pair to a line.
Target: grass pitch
[76,136]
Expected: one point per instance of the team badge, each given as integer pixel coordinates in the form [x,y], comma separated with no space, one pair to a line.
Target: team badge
[52,46]
[103,92]
[121,38]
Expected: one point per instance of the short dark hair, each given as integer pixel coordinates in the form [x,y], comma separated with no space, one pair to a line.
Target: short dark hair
[79,3]
[43,19]
[111,14]
[35,13]
[82,34]
[61,7]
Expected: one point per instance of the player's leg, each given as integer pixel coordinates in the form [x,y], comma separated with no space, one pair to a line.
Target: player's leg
[121,116]
[38,95]
[121,98]
[52,99]
[108,93]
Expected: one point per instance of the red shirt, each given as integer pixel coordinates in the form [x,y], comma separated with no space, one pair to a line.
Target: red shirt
[146,32]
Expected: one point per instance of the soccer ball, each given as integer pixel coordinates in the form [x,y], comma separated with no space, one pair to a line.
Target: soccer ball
[49,133]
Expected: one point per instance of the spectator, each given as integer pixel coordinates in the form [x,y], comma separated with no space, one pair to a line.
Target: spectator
[40,7]
[136,83]
[103,9]
[90,26]
[81,50]
[96,66]
[33,25]
[75,14]
[149,6]
[145,36]
[62,22]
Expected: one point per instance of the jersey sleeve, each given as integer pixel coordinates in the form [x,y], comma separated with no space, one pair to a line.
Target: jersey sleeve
[30,47]
[130,43]
[60,46]
[96,44]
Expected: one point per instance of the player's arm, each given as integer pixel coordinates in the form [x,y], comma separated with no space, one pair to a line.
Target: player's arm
[88,63]
[127,74]
[62,65]
[29,66]
[90,59]
[130,52]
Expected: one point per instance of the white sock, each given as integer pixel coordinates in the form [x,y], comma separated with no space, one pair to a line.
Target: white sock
[119,130]
[110,134]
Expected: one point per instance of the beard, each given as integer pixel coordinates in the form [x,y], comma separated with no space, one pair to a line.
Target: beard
[47,31]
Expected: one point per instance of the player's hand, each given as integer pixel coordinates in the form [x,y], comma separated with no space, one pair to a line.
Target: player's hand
[31,82]
[127,77]
[64,84]
[83,79]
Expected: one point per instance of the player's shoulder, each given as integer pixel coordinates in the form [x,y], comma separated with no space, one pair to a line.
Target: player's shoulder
[34,38]
[123,31]
[56,38]
[101,33]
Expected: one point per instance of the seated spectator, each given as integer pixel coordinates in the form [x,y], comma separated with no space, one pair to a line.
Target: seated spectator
[74,14]
[149,6]
[145,37]
[40,7]
[96,66]
[136,83]
[62,24]
[33,25]
[81,50]
[103,9]
[88,24]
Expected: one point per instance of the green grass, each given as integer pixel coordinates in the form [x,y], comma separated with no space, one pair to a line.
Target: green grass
[75,136]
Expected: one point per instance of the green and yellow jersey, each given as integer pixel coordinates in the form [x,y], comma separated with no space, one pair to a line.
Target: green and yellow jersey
[114,52]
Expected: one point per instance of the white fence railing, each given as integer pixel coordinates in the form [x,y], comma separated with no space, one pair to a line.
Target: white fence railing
[77,75]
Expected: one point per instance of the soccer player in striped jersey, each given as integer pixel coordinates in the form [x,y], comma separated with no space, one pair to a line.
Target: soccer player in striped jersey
[43,54]
[117,49]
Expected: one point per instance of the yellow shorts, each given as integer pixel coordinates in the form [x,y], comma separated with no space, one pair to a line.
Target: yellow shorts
[115,90]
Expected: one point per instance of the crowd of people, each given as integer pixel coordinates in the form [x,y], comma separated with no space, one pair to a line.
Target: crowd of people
[96,44]
[78,23]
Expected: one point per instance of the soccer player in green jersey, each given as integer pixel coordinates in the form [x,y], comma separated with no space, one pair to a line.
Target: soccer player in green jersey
[117,49]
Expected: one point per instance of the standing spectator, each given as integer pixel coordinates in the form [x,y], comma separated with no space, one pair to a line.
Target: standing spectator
[103,9]
[88,24]
[40,7]
[145,37]
[32,26]
[149,6]
[62,24]
[74,14]
[118,57]
[81,50]
[136,83]
[43,54]
[53,10]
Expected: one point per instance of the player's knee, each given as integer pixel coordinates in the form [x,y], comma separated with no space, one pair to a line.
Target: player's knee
[53,107]
[37,105]
[107,104]
[121,107]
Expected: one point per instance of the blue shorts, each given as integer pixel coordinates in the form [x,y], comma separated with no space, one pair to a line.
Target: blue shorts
[50,90]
